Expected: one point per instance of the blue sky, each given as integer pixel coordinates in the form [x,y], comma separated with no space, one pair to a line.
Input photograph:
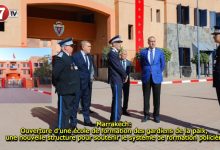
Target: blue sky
[23,53]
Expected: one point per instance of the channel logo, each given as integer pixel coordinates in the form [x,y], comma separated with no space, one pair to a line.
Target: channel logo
[4,13]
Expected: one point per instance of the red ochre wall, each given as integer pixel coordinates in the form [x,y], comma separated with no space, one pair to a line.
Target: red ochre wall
[43,29]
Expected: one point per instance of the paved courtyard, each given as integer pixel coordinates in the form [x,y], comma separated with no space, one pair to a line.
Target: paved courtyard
[192,105]
[22,95]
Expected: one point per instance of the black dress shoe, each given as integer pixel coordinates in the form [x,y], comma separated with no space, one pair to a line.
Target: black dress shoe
[90,111]
[157,119]
[145,119]
[90,124]
[126,113]
[80,111]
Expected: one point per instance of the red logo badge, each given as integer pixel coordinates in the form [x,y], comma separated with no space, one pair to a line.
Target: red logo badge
[4,13]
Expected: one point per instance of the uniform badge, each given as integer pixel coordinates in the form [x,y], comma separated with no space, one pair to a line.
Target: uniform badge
[71,67]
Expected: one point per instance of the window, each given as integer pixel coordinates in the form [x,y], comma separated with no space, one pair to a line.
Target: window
[1,65]
[13,66]
[24,65]
[35,64]
[2,26]
[202,17]
[130,32]
[24,71]
[18,65]
[1,71]
[184,56]
[158,15]
[212,19]
[7,65]
[182,14]
[40,64]
[218,19]
[29,72]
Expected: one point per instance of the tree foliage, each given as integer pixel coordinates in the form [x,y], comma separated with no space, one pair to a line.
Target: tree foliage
[46,69]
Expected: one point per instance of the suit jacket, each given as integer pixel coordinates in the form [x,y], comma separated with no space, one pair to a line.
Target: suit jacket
[84,72]
[93,73]
[128,68]
[116,72]
[154,69]
[65,75]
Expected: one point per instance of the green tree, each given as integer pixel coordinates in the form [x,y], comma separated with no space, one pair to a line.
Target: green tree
[167,54]
[44,71]
[166,51]
[105,52]
[204,58]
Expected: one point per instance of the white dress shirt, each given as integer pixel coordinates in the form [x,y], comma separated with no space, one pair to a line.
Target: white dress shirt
[85,56]
[149,51]
[124,63]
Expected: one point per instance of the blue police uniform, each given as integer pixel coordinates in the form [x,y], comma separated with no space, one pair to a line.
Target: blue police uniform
[216,67]
[67,83]
[117,76]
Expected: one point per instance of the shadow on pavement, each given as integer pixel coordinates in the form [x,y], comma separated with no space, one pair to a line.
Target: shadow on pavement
[173,121]
[203,98]
[164,118]
[98,117]
[101,107]
[47,115]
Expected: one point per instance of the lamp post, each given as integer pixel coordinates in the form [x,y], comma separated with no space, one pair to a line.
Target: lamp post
[198,51]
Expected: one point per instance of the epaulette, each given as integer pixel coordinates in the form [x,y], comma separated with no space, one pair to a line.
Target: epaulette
[60,54]
[114,50]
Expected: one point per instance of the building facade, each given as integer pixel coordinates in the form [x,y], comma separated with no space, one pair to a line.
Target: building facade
[42,23]
[14,72]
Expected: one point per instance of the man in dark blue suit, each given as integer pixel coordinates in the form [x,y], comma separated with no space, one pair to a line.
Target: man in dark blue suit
[152,62]
[126,86]
[117,76]
[83,61]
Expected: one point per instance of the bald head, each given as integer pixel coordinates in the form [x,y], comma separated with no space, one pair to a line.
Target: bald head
[152,42]
[123,54]
[86,46]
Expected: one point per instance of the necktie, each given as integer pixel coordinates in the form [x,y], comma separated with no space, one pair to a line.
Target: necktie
[86,59]
[151,57]
[123,64]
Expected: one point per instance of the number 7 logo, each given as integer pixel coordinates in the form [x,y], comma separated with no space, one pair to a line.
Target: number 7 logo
[4,13]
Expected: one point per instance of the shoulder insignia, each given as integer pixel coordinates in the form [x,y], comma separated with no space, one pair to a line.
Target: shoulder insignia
[60,54]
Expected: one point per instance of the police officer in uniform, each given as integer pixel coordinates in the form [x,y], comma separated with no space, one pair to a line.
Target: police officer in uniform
[117,76]
[216,68]
[67,83]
